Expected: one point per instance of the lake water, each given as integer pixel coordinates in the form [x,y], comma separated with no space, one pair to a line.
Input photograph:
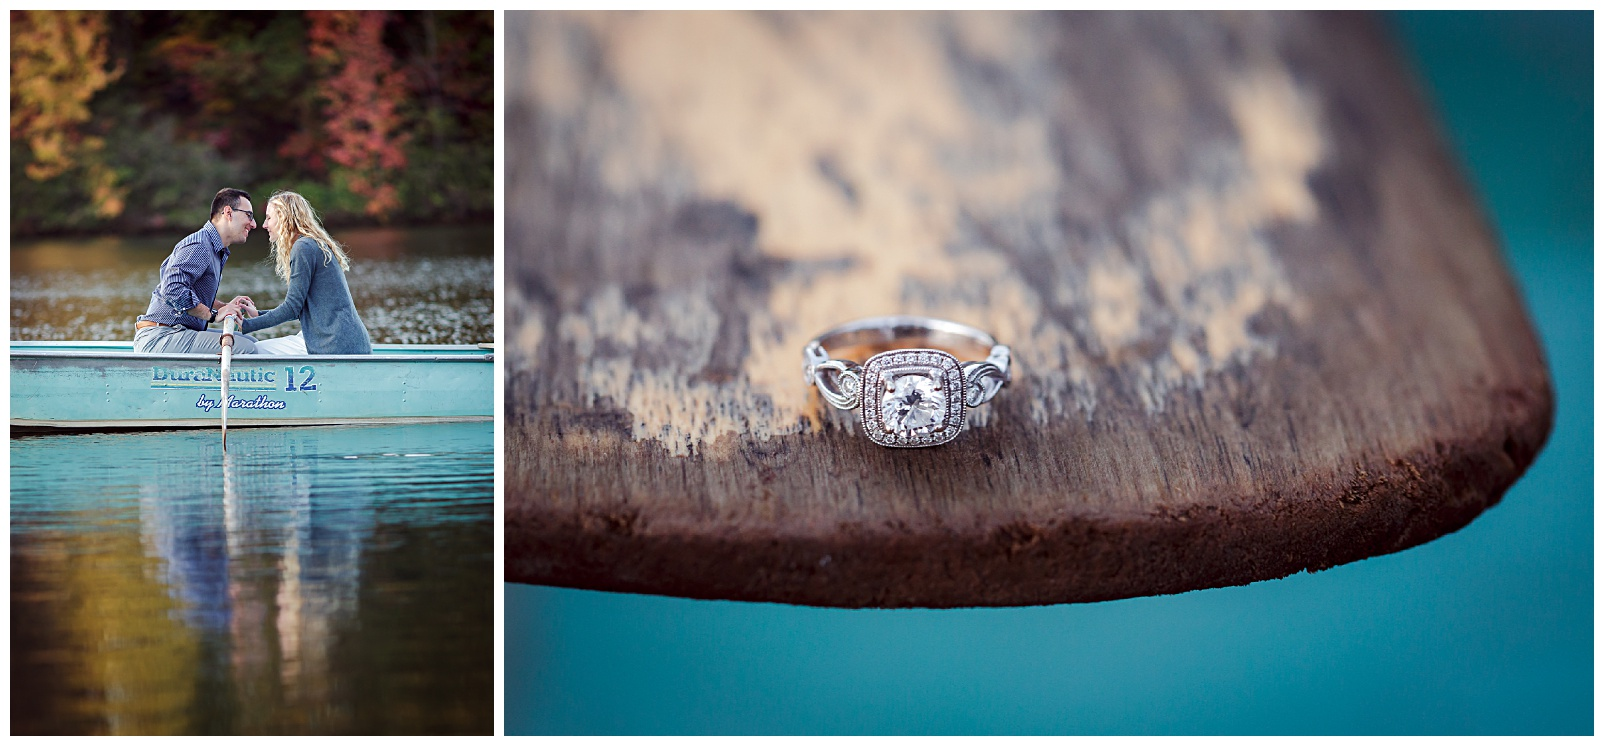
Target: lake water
[317,580]
[433,285]
[314,580]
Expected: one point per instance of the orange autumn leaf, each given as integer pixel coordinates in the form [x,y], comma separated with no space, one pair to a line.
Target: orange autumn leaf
[58,64]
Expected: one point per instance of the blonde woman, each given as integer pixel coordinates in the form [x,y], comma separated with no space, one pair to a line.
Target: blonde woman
[313,265]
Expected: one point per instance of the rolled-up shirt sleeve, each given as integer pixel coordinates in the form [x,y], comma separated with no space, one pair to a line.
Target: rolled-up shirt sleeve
[178,277]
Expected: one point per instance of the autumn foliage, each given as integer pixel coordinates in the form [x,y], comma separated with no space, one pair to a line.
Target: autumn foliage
[363,89]
[127,120]
[58,63]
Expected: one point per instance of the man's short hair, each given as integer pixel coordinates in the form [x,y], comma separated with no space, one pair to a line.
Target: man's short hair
[226,198]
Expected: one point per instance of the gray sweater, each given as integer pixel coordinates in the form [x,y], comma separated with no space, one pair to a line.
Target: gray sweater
[319,297]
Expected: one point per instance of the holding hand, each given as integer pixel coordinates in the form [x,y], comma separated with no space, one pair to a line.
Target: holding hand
[230,308]
[246,306]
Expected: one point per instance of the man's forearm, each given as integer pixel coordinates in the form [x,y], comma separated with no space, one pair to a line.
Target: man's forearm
[202,312]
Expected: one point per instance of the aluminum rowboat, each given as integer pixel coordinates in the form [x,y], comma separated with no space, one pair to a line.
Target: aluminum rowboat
[107,386]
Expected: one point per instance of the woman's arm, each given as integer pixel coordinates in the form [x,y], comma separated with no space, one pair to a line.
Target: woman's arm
[303,262]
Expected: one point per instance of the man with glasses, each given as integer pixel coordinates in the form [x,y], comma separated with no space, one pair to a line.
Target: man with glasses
[185,300]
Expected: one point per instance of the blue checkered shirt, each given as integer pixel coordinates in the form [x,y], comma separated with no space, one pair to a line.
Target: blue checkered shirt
[189,278]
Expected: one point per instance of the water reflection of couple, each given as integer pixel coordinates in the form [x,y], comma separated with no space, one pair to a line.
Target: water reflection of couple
[272,573]
[305,256]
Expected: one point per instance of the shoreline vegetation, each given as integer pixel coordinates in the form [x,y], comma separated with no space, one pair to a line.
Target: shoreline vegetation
[127,122]
[347,222]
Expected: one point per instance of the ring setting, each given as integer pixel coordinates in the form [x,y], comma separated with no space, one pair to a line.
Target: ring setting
[908,397]
[912,398]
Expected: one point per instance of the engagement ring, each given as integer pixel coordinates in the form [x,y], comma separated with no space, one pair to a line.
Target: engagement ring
[909,394]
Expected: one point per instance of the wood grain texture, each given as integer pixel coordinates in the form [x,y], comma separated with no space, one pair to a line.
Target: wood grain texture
[1258,321]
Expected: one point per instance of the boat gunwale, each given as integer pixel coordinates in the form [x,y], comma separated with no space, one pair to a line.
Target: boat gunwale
[467,356]
[27,427]
[124,343]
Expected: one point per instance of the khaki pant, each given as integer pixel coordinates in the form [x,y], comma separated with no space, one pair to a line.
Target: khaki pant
[178,339]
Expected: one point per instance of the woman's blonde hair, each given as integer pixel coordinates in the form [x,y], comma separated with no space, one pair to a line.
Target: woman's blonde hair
[297,219]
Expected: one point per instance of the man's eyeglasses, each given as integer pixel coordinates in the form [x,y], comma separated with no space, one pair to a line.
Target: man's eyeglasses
[249,215]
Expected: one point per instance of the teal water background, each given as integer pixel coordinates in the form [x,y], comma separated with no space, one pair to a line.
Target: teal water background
[1485,631]
[319,580]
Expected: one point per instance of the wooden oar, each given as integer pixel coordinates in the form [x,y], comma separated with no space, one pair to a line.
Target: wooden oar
[1259,323]
[228,353]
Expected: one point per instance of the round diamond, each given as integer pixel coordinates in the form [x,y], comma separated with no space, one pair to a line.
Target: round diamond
[912,401]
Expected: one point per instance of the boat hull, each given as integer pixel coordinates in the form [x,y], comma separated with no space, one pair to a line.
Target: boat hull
[59,386]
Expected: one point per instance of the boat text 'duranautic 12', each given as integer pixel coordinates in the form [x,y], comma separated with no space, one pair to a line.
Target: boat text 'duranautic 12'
[106,385]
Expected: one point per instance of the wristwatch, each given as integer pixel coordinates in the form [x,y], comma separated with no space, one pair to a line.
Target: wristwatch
[214,316]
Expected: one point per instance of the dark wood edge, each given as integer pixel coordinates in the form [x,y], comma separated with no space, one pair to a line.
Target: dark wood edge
[1380,508]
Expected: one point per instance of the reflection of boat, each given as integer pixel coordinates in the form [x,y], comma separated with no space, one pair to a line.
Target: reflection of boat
[107,386]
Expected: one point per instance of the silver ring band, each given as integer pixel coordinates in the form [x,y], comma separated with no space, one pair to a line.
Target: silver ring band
[914,393]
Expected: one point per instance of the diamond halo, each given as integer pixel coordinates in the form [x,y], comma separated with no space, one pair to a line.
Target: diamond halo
[912,398]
